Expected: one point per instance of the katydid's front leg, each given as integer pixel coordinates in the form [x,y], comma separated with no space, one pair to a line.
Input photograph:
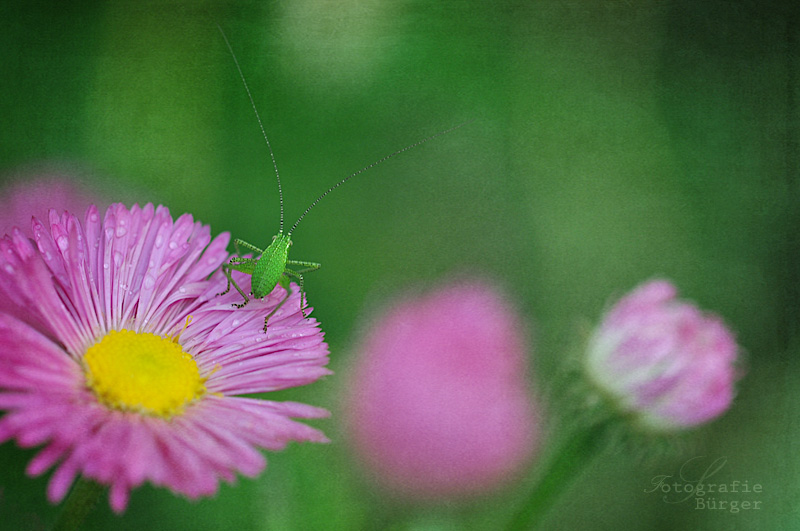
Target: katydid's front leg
[245,265]
[237,242]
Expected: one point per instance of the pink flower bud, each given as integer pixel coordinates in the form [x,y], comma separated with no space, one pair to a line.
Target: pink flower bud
[662,360]
[440,405]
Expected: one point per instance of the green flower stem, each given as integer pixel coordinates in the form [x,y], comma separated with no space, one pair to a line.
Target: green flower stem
[79,504]
[575,454]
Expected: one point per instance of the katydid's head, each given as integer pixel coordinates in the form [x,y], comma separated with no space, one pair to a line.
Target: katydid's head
[282,240]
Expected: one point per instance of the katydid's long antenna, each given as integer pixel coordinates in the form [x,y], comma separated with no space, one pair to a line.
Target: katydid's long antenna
[260,124]
[365,168]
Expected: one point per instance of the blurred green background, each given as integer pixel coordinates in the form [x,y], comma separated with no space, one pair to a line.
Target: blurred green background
[612,142]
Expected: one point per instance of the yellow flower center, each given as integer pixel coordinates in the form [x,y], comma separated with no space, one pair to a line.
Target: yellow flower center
[143,372]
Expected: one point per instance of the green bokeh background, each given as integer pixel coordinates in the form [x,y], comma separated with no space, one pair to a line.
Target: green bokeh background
[612,142]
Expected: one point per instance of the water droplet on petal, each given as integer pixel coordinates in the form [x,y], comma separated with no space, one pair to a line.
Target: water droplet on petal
[106,265]
[149,282]
[182,290]
[9,268]
[235,322]
[63,242]
[159,241]
[121,231]
[173,245]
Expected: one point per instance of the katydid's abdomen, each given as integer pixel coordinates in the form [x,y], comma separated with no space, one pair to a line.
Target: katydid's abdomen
[270,268]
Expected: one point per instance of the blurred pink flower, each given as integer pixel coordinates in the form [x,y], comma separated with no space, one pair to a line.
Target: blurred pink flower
[440,405]
[662,360]
[118,356]
[34,195]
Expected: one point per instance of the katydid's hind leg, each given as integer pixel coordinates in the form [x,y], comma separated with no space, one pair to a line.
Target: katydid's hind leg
[276,308]
[309,267]
[299,276]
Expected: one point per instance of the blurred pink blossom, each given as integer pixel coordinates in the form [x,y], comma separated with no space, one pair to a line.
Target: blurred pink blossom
[662,360]
[440,404]
[33,195]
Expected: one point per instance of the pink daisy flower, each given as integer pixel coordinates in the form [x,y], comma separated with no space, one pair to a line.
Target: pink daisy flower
[118,356]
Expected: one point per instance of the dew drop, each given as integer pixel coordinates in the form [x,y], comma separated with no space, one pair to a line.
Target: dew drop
[109,232]
[106,265]
[93,217]
[235,322]
[159,241]
[63,242]
[121,231]
[9,268]
[173,245]
[182,290]
[149,282]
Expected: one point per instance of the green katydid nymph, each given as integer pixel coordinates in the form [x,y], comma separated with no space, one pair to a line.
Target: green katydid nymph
[270,267]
